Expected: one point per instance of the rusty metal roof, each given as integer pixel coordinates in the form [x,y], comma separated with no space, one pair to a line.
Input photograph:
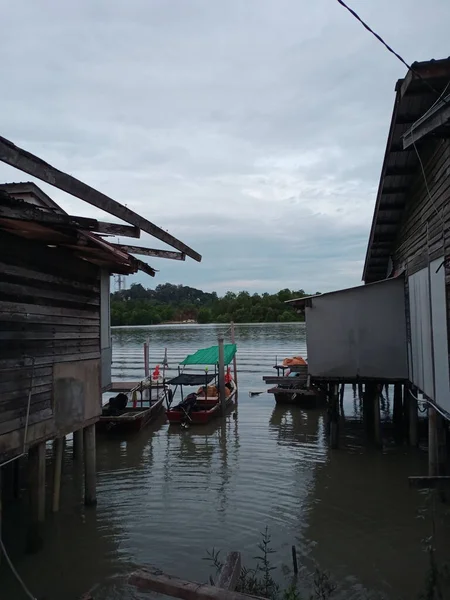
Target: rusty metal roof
[414,97]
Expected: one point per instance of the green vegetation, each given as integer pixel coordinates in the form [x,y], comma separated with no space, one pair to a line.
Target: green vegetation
[258,581]
[169,303]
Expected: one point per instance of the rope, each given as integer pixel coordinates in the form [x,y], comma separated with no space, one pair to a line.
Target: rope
[15,573]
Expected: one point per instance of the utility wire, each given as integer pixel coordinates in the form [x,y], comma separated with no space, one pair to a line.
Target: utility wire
[391,50]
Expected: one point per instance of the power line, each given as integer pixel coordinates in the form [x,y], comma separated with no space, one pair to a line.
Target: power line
[386,45]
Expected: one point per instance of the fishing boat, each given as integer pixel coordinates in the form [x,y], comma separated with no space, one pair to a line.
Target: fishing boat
[294,385]
[132,410]
[202,405]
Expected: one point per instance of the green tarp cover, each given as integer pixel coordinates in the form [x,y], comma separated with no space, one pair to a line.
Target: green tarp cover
[210,356]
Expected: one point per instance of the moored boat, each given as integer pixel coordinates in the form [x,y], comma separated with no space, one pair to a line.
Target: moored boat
[133,410]
[199,407]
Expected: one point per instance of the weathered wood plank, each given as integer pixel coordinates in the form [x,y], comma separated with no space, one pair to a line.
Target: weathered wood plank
[19,423]
[156,581]
[25,308]
[31,164]
[27,291]
[151,252]
[17,271]
[16,363]
[21,210]
[48,335]
[230,572]
[46,325]
[17,389]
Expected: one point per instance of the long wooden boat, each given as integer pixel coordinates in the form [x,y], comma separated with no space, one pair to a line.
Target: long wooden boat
[198,408]
[201,412]
[138,412]
[304,397]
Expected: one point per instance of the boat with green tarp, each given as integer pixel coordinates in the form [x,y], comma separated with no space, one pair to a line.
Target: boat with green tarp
[201,406]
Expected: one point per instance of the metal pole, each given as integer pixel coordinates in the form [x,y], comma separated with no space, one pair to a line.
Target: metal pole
[221,374]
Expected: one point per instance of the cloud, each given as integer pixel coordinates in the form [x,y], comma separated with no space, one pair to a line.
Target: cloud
[254,131]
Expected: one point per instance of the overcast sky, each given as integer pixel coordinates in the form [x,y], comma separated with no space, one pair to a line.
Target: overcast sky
[252,130]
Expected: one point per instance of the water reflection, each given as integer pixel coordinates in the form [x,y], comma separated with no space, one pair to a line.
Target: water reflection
[166,495]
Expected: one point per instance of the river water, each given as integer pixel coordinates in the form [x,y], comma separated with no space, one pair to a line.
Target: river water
[166,497]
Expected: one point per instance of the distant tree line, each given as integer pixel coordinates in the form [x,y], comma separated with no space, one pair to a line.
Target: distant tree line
[173,303]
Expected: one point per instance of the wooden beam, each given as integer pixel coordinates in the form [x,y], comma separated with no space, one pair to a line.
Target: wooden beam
[230,572]
[436,117]
[20,210]
[156,581]
[142,266]
[31,164]
[151,252]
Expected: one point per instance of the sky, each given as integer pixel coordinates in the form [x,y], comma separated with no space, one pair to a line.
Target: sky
[252,130]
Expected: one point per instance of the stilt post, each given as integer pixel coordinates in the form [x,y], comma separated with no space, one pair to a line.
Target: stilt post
[432,442]
[233,341]
[334,414]
[341,394]
[90,475]
[146,360]
[413,418]
[78,445]
[57,469]
[222,373]
[376,419]
[36,484]
[397,413]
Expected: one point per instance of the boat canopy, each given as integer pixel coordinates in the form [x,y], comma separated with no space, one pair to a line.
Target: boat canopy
[192,379]
[210,356]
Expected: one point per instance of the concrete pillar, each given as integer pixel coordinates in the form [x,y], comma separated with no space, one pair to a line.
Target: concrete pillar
[57,469]
[90,469]
[78,445]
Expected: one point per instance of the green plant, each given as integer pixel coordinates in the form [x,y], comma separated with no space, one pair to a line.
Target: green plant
[258,581]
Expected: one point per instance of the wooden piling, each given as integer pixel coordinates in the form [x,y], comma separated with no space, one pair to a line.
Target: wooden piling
[1,512]
[377,419]
[413,418]
[341,394]
[230,572]
[15,467]
[222,374]
[334,420]
[90,469]
[57,470]
[78,445]
[36,488]
[397,413]
[360,391]
[146,360]
[233,341]
[433,469]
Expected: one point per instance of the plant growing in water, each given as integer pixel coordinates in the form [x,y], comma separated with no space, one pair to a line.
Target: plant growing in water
[258,581]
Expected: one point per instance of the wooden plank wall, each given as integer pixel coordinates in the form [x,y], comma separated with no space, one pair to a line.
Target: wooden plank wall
[49,310]
[411,248]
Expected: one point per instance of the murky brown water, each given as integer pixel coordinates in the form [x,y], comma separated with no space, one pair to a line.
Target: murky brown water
[165,497]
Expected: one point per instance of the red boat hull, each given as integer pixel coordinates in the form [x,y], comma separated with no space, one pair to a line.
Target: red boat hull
[199,417]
